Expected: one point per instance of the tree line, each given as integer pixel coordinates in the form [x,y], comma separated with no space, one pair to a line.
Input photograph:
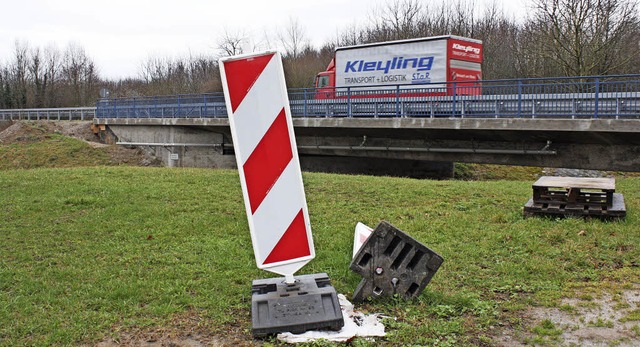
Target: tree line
[557,38]
[49,77]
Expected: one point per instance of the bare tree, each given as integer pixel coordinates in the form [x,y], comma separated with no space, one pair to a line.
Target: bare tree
[588,37]
[233,42]
[52,62]
[73,62]
[398,19]
[463,19]
[6,99]
[47,78]
[300,72]
[19,70]
[153,70]
[193,74]
[404,19]
[350,36]
[37,74]
[499,36]
[293,39]
[80,74]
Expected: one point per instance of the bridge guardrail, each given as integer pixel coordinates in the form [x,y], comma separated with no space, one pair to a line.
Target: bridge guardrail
[565,97]
[570,97]
[67,113]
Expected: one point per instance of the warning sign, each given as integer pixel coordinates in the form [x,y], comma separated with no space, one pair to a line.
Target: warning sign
[268,164]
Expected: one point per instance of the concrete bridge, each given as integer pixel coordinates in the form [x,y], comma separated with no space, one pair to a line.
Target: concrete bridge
[583,123]
[416,147]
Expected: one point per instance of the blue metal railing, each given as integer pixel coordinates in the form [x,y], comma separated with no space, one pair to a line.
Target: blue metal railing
[564,97]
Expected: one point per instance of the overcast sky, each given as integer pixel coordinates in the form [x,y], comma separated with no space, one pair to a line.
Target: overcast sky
[119,35]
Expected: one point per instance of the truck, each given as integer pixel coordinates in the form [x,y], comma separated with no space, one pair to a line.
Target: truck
[439,65]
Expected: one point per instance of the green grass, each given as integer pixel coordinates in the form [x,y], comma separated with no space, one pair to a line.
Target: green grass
[484,172]
[87,253]
[600,323]
[50,150]
[632,316]
[546,334]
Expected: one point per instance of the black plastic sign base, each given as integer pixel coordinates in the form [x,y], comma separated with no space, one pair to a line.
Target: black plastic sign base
[392,262]
[309,304]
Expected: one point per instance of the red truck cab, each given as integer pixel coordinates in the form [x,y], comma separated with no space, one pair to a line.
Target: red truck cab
[326,81]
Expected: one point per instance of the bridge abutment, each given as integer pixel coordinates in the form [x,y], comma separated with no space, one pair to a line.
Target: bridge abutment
[177,146]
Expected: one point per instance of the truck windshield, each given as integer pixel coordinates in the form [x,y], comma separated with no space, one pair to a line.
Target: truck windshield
[322,82]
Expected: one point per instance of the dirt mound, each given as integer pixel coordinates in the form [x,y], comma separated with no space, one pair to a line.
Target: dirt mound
[38,130]
[78,130]
[5,124]
[22,132]
[19,132]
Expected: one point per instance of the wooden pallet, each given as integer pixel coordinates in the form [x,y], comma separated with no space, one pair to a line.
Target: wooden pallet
[575,196]
[553,209]
[574,190]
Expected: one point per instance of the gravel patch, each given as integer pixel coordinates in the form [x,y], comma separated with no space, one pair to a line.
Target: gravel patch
[589,322]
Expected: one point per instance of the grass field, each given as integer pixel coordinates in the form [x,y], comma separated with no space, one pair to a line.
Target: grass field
[89,254]
[54,150]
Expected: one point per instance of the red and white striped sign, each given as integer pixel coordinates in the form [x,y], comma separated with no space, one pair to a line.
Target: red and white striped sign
[267,157]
